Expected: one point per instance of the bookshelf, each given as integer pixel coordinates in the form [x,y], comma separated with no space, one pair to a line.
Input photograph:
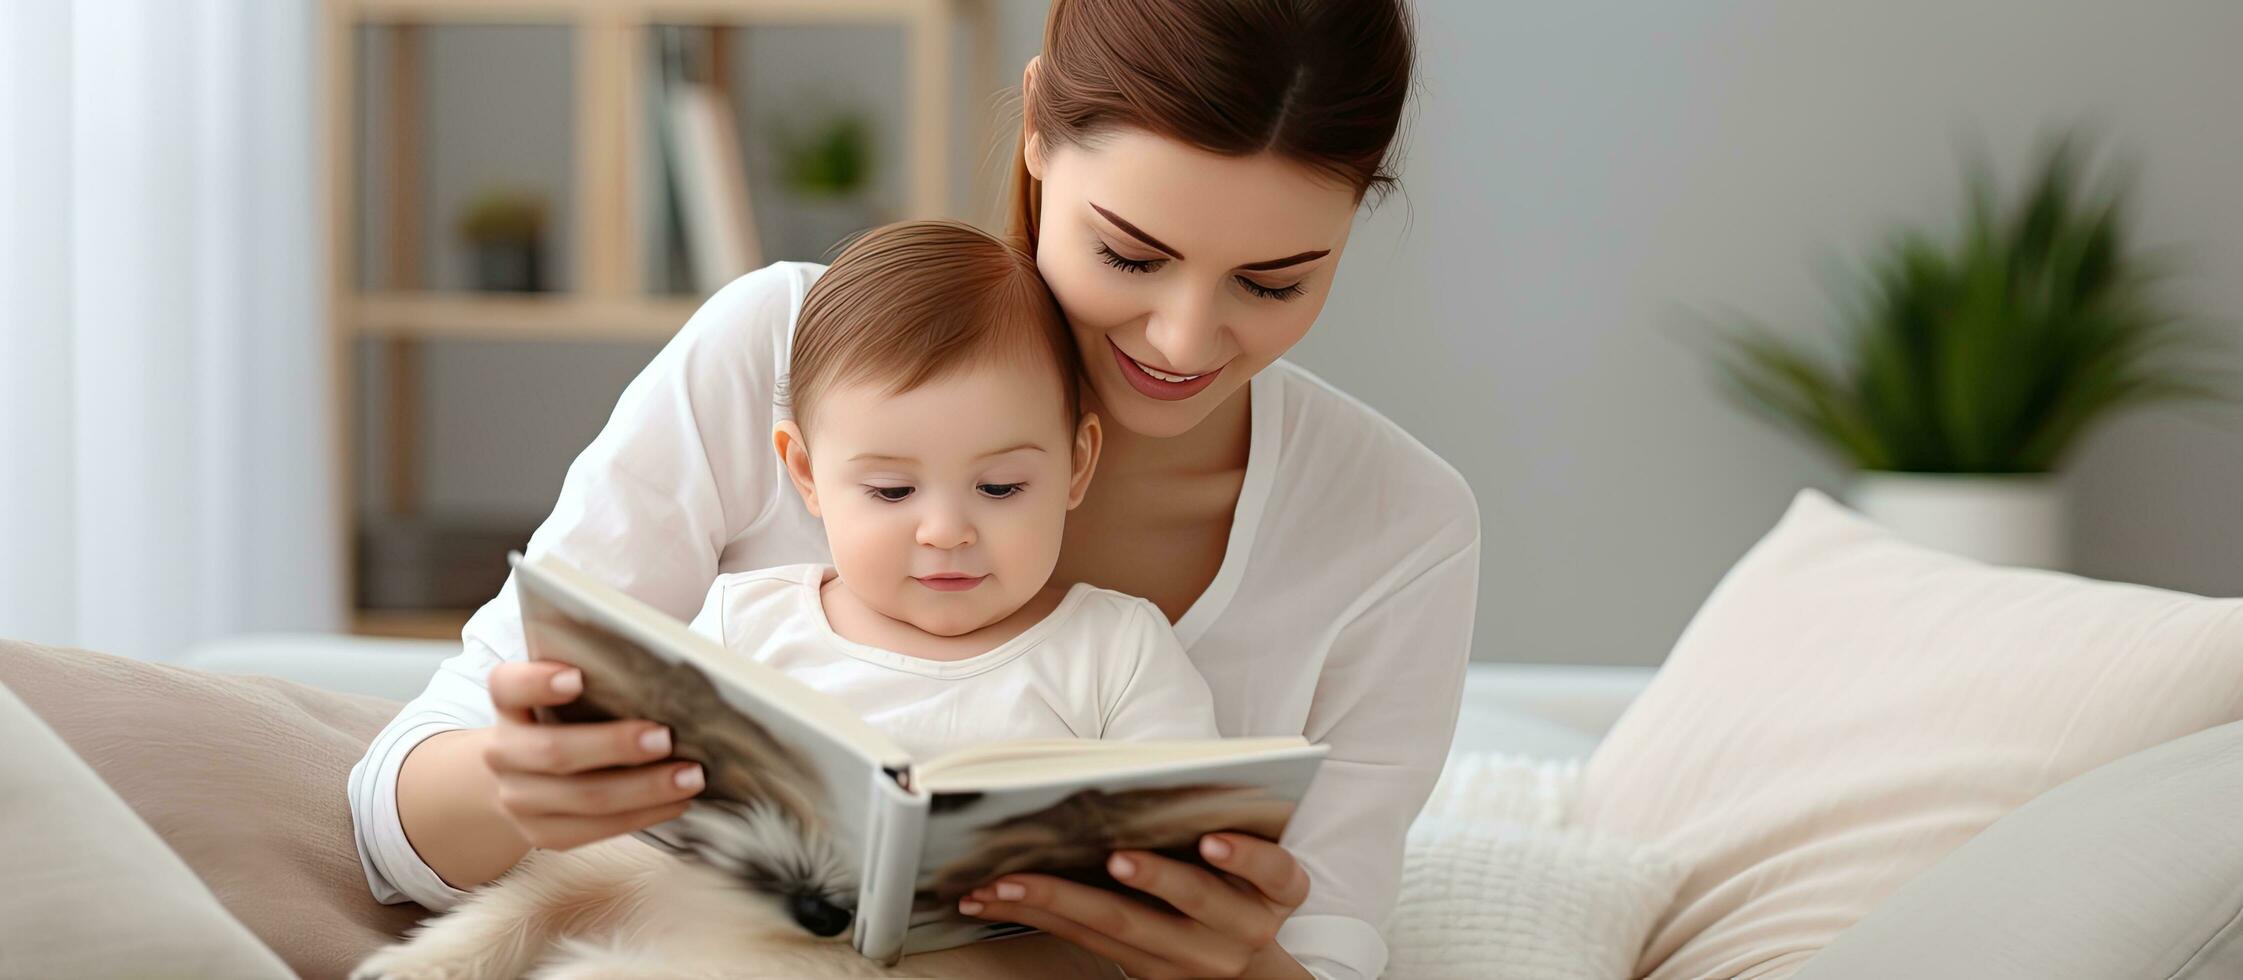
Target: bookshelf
[607,299]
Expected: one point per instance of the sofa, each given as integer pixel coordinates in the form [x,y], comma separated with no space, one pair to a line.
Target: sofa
[247,868]
[1862,759]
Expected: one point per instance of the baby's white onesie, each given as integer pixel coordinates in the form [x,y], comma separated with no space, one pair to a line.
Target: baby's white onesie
[1102,665]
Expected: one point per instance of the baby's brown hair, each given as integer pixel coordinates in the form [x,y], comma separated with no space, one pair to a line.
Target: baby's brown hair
[915,301]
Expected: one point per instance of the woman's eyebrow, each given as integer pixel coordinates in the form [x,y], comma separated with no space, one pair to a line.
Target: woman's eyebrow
[1131,231]
[1286,261]
[1150,242]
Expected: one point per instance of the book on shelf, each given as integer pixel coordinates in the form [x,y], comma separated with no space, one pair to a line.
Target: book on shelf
[698,143]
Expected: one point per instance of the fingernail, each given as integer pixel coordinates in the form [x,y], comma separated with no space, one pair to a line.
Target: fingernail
[569,682]
[1009,892]
[689,778]
[1121,867]
[656,740]
[1215,848]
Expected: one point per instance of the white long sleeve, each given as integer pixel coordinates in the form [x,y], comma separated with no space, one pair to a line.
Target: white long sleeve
[649,507]
[1343,608]
[1388,718]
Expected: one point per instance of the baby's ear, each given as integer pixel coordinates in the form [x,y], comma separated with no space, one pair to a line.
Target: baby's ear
[794,454]
[1089,438]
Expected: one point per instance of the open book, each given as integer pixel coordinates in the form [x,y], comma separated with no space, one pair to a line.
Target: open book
[808,802]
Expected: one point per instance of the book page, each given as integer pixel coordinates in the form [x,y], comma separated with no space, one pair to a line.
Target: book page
[1032,761]
[1066,824]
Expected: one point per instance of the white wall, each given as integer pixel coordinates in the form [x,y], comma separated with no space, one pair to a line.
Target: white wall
[1581,174]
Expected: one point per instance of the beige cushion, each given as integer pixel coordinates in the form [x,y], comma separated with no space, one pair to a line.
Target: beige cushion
[91,891]
[242,776]
[1848,708]
[2131,872]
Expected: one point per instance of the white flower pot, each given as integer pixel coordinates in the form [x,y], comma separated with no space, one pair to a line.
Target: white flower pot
[2004,520]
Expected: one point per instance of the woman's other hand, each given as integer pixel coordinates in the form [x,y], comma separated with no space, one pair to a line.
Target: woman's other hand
[1227,926]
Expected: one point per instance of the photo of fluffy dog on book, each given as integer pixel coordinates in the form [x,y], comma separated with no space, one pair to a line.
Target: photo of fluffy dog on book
[819,848]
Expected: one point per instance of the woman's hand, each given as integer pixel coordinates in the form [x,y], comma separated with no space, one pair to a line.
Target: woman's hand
[566,785]
[1228,925]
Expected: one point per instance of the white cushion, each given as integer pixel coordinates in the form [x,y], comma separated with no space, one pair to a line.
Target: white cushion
[1500,787]
[2133,870]
[1848,708]
[1496,887]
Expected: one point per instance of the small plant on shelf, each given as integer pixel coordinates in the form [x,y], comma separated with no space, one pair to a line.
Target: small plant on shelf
[826,168]
[505,229]
[831,158]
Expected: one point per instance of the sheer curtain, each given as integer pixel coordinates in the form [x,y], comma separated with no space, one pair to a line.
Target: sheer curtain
[166,424]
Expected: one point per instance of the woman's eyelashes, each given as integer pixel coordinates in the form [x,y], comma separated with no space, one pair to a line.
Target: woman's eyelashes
[1107,255]
[994,491]
[1271,292]
[1134,267]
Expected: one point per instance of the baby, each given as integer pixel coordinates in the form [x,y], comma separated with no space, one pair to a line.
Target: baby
[937,432]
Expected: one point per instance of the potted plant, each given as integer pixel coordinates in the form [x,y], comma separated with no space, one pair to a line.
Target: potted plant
[505,229]
[1968,371]
[826,168]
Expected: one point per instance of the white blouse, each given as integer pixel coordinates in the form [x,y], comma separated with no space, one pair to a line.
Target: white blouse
[1100,665]
[1342,610]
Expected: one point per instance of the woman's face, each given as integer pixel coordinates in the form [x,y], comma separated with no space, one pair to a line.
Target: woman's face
[1183,272]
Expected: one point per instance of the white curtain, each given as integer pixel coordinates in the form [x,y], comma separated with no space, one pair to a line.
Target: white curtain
[166,466]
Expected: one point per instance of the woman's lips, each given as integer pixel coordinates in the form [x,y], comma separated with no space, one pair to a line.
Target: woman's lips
[1152,387]
[950,583]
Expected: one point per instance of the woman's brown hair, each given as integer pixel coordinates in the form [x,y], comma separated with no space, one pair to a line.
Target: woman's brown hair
[1320,82]
[915,301]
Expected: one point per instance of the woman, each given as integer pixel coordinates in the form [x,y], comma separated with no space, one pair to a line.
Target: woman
[1188,175]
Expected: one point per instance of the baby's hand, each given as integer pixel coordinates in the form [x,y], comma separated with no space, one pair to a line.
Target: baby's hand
[569,784]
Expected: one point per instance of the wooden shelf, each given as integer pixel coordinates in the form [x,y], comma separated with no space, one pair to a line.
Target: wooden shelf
[523,316]
[609,41]
[411,624]
[641,11]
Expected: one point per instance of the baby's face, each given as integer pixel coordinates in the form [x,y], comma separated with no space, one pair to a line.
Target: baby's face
[944,506]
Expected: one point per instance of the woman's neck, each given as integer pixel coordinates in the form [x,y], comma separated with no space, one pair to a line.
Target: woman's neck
[1158,516]
[1218,444]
